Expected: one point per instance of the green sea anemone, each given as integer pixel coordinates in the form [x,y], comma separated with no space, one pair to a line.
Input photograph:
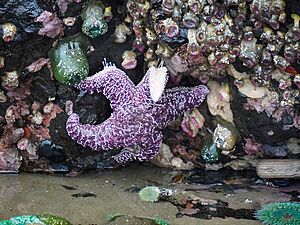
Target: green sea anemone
[159,221]
[45,219]
[280,213]
[69,63]
[149,194]
[94,24]
[209,152]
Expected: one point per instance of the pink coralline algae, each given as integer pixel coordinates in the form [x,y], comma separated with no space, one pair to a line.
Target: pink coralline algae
[23,141]
[10,160]
[191,123]
[252,147]
[136,122]
[63,4]
[37,65]
[51,24]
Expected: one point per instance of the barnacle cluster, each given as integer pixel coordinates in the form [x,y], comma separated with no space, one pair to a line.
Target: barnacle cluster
[203,38]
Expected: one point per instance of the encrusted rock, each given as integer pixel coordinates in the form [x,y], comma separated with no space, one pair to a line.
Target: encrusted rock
[164,157]
[218,101]
[293,145]
[251,91]
[178,163]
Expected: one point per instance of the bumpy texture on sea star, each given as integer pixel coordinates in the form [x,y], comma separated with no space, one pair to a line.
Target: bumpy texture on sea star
[136,122]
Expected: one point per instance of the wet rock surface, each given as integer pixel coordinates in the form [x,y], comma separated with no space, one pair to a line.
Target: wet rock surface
[22,14]
[27,47]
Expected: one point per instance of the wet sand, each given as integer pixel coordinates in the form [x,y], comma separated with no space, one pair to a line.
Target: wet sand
[89,198]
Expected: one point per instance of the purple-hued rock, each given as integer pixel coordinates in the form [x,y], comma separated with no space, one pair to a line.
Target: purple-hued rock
[275,151]
[136,122]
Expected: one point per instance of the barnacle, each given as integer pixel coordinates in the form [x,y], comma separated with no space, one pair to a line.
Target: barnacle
[129,60]
[121,33]
[9,31]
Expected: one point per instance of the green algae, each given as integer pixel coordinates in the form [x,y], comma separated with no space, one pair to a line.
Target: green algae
[143,220]
[53,220]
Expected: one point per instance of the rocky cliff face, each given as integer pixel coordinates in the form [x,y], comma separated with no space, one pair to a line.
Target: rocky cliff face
[33,104]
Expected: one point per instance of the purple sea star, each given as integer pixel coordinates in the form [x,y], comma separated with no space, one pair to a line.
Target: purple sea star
[136,122]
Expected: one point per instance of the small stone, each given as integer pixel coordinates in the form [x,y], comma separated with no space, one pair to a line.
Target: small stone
[164,157]
[178,163]
[31,148]
[251,91]
[69,21]
[275,151]
[69,107]
[22,143]
[238,164]
[293,145]
[10,80]
[37,118]
[224,138]
[48,107]
[3,97]
[17,134]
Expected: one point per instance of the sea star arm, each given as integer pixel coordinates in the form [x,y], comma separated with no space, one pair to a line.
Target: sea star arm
[143,152]
[112,82]
[177,100]
[107,135]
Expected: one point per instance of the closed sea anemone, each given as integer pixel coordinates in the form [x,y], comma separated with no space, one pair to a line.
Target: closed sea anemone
[149,194]
[280,213]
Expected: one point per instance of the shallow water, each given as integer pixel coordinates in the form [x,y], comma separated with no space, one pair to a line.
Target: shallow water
[89,198]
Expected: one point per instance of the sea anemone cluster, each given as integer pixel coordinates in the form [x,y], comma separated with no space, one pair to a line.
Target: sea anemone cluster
[204,38]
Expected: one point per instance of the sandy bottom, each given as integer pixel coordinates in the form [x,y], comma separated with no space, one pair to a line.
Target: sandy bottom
[90,198]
